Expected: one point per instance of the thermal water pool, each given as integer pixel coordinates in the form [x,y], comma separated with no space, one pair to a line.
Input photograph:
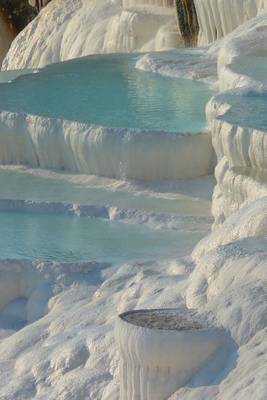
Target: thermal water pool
[109,91]
[181,198]
[253,67]
[248,110]
[100,115]
[37,222]
[39,236]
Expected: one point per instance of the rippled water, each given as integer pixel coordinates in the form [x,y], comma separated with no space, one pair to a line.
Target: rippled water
[254,67]
[108,90]
[248,111]
[53,187]
[64,238]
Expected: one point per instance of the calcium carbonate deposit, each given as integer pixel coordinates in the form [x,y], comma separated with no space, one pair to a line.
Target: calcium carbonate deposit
[82,27]
[98,219]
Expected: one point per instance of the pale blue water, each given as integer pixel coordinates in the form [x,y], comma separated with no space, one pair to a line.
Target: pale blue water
[108,90]
[11,75]
[248,111]
[65,238]
[27,186]
[254,67]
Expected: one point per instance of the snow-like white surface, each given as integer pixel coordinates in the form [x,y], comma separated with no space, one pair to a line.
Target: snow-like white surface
[217,18]
[230,278]
[245,377]
[69,351]
[230,274]
[82,27]
[155,362]
[110,152]
[150,6]
[67,345]
[196,64]
[238,148]
[248,40]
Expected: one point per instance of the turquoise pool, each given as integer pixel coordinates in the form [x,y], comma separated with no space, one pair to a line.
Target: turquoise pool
[254,67]
[38,236]
[37,186]
[108,90]
[248,110]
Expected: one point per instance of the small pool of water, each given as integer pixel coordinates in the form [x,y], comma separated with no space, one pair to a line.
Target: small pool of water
[254,67]
[11,75]
[57,237]
[182,199]
[248,111]
[163,319]
[108,90]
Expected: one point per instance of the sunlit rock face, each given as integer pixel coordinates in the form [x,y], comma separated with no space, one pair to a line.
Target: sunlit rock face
[238,122]
[82,27]
[160,6]
[217,18]
[238,241]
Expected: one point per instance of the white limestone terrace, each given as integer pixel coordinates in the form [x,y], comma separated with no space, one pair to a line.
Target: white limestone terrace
[84,27]
[217,18]
[76,141]
[235,51]
[230,274]
[148,132]
[155,6]
[229,279]
[226,277]
[238,138]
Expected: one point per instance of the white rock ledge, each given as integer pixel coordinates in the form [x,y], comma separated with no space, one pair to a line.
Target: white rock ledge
[120,153]
[161,350]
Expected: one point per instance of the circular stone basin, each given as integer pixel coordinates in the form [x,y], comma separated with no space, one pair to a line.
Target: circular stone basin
[167,319]
[161,350]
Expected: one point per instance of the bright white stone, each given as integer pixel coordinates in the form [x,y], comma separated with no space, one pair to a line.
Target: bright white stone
[82,27]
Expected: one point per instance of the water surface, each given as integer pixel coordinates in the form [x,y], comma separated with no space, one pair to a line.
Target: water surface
[37,236]
[108,90]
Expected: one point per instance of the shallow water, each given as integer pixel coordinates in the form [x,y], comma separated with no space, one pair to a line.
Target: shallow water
[254,67]
[108,90]
[64,238]
[181,198]
[248,111]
